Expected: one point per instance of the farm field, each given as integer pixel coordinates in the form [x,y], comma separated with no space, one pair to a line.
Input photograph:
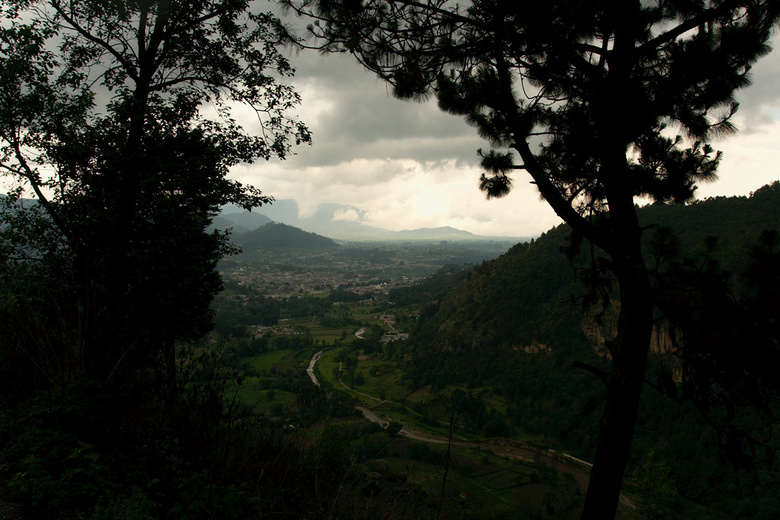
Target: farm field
[484,478]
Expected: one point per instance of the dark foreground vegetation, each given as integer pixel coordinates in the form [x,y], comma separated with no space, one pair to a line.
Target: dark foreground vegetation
[84,452]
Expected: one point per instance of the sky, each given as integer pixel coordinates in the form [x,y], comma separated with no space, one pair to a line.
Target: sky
[408,165]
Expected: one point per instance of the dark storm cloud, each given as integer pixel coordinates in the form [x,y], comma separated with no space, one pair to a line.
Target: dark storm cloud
[408,165]
[353,116]
[763,95]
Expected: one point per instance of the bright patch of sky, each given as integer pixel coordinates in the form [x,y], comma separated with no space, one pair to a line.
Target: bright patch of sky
[408,165]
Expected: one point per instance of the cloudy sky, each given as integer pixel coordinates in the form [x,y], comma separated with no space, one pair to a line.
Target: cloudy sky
[408,165]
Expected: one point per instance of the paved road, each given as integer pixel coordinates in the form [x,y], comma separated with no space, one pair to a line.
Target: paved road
[405,431]
[310,370]
[514,449]
[579,469]
[508,447]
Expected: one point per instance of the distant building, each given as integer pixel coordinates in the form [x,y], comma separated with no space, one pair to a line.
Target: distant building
[387,338]
[387,319]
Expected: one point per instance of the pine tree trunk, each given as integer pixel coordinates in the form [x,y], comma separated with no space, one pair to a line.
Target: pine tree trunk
[624,386]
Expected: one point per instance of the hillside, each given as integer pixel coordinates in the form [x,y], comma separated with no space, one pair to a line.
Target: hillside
[516,327]
[528,300]
[282,236]
[528,295]
[247,220]
[224,224]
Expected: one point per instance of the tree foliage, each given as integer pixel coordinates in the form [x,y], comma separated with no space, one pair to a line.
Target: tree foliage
[117,134]
[118,118]
[725,343]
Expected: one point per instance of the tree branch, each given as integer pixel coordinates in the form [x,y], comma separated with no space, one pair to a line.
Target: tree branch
[546,187]
[691,23]
[127,66]
[28,173]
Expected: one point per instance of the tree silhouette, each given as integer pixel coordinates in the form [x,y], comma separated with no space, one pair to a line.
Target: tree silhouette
[587,96]
[104,116]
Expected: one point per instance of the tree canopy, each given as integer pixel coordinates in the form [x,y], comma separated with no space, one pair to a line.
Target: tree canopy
[118,118]
[599,102]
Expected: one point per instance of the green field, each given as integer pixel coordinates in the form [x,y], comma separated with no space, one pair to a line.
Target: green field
[479,484]
[260,391]
[277,359]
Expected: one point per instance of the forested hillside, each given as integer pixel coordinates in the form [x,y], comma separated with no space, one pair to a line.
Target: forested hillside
[281,236]
[737,223]
[519,324]
[530,298]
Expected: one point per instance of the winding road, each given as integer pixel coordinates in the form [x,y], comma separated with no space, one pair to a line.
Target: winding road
[561,462]
[316,357]
[579,469]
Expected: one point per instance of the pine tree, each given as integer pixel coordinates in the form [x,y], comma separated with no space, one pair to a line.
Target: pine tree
[585,98]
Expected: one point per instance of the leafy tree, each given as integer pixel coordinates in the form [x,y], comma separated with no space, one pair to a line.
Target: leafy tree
[104,118]
[586,94]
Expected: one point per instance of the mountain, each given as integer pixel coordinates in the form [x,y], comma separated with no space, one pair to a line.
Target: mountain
[248,220]
[285,211]
[516,326]
[520,299]
[343,222]
[224,224]
[281,236]
[439,233]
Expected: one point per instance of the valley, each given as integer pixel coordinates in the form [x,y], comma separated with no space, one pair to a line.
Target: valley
[362,268]
[342,322]
[335,360]
[202,317]
[412,351]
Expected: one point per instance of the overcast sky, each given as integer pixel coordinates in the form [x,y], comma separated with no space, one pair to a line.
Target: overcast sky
[408,165]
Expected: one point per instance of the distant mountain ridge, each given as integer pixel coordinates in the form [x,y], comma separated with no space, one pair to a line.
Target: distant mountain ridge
[340,222]
[249,220]
[443,232]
